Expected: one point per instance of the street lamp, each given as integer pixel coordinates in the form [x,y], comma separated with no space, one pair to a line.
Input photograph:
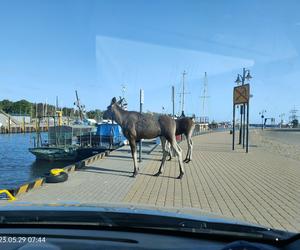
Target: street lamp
[262,118]
[241,80]
[238,79]
[248,76]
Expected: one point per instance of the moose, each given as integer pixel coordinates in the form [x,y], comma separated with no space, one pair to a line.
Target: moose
[137,126]
[186,126]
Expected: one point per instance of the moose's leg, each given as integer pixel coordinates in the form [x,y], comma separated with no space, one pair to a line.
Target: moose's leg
[190,142]
[188,151]
[132,144]
[178,152]
[170,152]
[188,154]
[165,146]
[191,150]
[165,154]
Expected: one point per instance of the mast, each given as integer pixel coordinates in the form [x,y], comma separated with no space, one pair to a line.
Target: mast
[46,109]
[124,102]
[183,91]
[56,104]
[294,117]
[123,90]
[173,101]
[204,96]
[182,94]
[293,113]
[78,105]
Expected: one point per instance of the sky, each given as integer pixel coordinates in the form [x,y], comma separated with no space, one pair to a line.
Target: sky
[52,48]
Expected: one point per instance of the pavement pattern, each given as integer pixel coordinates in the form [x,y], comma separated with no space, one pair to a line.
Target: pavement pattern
[259,187]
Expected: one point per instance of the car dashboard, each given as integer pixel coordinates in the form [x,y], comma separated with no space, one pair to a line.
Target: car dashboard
[72,238]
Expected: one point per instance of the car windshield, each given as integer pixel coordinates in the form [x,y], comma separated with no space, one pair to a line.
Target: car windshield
[189,106]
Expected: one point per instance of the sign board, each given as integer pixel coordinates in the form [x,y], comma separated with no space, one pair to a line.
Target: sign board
[241,94]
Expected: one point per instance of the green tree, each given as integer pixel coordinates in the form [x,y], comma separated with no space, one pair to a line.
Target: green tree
[295,123]
[6,105]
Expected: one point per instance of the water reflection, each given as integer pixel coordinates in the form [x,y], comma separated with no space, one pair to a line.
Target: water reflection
[17,164]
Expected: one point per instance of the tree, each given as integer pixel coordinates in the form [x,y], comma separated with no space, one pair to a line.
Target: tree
[6,106]
[96,114]
[295,123]
[40,109]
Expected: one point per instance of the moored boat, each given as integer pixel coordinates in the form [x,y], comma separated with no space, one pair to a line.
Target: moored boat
[65,143]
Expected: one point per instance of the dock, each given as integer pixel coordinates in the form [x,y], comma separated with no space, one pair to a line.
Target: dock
[259,187]
[28,128]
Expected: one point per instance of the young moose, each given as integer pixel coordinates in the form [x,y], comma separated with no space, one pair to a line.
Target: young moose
[136,126]
[186,126]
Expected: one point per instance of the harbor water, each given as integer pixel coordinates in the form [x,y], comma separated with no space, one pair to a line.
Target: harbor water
[17,164]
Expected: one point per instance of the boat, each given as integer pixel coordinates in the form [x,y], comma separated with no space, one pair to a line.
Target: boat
[65,143]
[54,153]
[108,136]
[79,140]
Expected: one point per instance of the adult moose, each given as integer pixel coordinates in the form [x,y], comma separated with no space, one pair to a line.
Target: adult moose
[185,126]
[137,126]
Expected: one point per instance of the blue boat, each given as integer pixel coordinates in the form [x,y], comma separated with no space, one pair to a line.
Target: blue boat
[110,135]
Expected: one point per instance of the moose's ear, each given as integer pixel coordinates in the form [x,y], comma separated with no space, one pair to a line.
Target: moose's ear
[114,100]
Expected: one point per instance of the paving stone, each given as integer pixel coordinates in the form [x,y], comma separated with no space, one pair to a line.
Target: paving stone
[259,187]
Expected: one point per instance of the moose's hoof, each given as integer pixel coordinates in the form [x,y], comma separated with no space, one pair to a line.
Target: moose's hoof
[169,159]
[187,160]
[134,174]
[180,176]
[157,174]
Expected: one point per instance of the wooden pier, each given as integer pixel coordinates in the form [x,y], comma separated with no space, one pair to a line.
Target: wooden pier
[22,129]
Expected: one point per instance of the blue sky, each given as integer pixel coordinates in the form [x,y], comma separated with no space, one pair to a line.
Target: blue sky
[51,48]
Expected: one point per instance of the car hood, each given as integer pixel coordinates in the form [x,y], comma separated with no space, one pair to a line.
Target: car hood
[184,212]
[131,216]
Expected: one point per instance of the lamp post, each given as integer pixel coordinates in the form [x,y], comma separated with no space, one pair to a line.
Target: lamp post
[141,110]
[262,118]
[240,80]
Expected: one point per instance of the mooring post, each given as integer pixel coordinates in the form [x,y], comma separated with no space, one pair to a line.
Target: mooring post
[24,124]
[141,110]
[9,127]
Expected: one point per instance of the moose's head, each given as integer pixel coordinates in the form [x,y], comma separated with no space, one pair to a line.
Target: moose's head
[110,110]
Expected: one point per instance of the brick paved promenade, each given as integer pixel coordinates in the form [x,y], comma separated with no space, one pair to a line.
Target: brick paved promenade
[258,187]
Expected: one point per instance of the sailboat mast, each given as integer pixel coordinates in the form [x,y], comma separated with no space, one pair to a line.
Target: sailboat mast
[183,91]
[78,105]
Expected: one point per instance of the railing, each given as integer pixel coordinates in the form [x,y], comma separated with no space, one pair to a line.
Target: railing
[98,141]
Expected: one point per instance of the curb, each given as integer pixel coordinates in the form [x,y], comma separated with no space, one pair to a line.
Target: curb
[37,183]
